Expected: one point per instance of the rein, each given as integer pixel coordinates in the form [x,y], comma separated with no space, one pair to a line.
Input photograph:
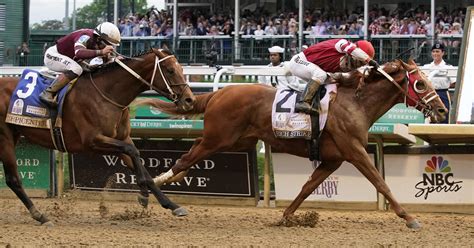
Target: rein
[170,92]
[422,102]
[104,96]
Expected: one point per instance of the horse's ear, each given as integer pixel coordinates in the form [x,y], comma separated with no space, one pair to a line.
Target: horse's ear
[406,66]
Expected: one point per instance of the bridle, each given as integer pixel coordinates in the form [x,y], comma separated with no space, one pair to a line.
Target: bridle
[421,97]
[170,94]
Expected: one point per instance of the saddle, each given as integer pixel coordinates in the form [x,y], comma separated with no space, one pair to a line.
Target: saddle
[287,124]
[26,109]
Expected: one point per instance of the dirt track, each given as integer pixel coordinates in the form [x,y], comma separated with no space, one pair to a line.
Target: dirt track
[96,223]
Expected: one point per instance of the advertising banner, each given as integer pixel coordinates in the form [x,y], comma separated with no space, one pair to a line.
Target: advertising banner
[431,178]
[34,163]
[223,174]
[345,184]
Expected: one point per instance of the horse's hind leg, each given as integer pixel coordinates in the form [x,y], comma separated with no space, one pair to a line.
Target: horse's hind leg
[319,175]
[7,155]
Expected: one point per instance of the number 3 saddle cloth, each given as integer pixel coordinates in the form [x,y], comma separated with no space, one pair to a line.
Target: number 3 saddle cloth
[26,109]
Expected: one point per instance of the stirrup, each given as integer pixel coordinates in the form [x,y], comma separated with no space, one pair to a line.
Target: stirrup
[305,108]
[48,101]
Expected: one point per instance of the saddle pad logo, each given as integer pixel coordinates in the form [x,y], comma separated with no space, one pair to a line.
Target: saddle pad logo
[18,107]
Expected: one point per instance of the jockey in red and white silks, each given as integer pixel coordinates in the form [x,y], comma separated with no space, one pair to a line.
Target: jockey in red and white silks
[335,55]
[79,45]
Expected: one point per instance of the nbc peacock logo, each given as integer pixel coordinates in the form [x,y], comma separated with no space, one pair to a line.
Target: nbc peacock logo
[437,164]
[438,178]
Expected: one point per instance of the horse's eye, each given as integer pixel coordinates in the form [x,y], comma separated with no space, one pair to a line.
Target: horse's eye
[170,71]
[420,87]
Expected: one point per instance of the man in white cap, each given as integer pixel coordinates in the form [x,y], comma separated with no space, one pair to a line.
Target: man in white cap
[280,82]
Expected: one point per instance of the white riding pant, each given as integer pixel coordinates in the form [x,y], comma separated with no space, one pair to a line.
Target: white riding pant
[299,66]
[60,63]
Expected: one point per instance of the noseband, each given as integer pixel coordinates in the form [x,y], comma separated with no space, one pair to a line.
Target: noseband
[424,98]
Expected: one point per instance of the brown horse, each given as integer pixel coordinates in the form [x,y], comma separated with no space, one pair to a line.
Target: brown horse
[237,116]
[96,118]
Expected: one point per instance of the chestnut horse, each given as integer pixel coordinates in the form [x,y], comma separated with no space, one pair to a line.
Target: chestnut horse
[96,118]
[236,117]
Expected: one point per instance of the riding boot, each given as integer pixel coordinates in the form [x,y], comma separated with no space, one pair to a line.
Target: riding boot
[304,105]
[47,96]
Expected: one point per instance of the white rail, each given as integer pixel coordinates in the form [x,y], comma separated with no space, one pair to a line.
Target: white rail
[252,71]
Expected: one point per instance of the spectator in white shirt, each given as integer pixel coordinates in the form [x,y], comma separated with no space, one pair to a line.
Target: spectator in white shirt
[439,75]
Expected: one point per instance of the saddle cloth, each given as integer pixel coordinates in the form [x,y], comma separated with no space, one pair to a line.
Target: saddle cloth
[287,124]
[26,109]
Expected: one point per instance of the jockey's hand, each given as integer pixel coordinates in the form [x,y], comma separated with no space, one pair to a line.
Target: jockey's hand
[107,50]
[374,64]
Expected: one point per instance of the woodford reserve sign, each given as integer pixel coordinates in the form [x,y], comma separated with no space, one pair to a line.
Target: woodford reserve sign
[223,174]
[34,166]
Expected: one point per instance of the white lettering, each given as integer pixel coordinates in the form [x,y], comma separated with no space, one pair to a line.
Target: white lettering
[154,162]
[120,178]
[167,162]
[201,182]
[27,174]
[110,160]
[209,164]
[188,180]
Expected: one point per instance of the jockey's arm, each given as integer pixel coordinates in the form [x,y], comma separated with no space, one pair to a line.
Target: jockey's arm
[82,52]
[344,46]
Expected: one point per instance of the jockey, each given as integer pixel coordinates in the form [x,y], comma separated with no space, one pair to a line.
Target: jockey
[280,82]
[335,55]
[79,45]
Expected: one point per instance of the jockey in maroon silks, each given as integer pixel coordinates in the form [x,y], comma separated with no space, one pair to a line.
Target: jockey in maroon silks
[78,45]
[335,55]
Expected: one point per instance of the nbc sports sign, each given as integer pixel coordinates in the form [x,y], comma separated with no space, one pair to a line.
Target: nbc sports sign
[431,178]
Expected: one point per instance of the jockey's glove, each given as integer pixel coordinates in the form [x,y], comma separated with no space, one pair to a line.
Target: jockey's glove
[374,64]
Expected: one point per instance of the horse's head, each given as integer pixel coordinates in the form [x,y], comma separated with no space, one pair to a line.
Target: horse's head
[168,79]
[421,94]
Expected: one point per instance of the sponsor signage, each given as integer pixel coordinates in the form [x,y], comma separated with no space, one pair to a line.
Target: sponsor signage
[431,178]
[223,174]
[402,114]
[345,184]
[34,163]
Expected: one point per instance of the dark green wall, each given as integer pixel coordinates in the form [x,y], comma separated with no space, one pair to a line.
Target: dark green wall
[16,28]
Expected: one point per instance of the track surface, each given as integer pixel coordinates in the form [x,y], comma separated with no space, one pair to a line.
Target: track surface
[110,223]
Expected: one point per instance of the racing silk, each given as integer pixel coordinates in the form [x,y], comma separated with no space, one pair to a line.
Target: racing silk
[328,54]
[79,45]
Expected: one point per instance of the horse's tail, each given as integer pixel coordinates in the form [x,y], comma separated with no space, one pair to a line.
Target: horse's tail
[170,108]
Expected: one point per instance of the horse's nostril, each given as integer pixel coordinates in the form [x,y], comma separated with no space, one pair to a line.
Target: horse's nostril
[189,100]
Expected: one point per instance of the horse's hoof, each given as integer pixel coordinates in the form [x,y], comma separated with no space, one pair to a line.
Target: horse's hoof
[143,200]
[48,224]
[414,224]
[180,212]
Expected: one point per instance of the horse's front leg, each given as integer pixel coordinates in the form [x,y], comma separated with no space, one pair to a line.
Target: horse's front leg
[106,144]
[361,160]
[325,169]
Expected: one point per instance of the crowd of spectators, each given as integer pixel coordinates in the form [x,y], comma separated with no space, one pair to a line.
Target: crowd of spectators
[316,22]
